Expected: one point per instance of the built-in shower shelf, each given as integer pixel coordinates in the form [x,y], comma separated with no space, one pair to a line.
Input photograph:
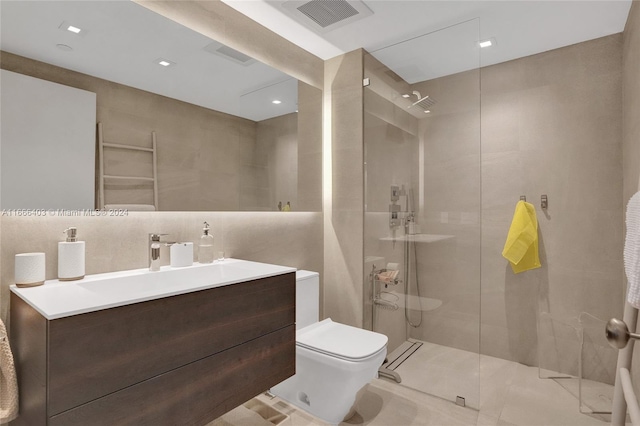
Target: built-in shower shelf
[419,238]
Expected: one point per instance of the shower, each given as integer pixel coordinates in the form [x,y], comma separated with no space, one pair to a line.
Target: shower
[425,102]
[425,133]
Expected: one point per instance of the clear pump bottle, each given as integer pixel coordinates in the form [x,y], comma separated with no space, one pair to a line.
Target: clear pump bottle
[205,246]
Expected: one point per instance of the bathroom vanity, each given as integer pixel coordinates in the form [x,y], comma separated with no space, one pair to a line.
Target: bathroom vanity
[179,346]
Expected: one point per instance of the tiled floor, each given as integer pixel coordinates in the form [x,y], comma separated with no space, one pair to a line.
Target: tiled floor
[445,372]
[499,388]
[510,394]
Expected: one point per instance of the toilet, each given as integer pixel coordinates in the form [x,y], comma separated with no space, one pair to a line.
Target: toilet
[333,361]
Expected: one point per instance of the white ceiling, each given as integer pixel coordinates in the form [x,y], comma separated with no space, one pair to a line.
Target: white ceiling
[521,28]
[122,41]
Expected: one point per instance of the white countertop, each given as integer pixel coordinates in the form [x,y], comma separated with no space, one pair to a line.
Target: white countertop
[58,299]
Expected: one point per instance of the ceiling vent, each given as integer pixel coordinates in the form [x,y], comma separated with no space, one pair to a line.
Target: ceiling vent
[226,52]
[327,12]
[323,16]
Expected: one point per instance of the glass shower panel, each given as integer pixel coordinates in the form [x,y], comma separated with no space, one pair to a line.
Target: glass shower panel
[422,210]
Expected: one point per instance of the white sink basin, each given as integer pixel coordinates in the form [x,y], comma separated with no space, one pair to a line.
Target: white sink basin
[58,299]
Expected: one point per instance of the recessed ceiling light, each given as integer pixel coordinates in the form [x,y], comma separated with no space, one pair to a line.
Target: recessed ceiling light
[164,62]
[277,102]
[426,111]
[487,43]
[406,95]
[67,27]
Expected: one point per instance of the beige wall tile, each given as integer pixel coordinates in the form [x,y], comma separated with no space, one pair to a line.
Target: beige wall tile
[631,102]
[383,96]
[309,147]
[343,208]
[543,134]
[279,136]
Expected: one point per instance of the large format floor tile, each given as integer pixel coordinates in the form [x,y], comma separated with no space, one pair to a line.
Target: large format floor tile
[507,393]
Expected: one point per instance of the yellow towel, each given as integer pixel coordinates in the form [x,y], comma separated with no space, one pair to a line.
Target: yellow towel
[521,247]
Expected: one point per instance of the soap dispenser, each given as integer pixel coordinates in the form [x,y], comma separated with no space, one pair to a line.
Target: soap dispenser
[205,247]
[70,257]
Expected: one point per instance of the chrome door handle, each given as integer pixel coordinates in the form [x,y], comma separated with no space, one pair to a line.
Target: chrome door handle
[618,333]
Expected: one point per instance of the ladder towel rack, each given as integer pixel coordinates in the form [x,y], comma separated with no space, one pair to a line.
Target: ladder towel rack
[101,164]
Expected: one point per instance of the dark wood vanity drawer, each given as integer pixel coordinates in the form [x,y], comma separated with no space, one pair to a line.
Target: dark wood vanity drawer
[98,353]
[196,393]
[29,346]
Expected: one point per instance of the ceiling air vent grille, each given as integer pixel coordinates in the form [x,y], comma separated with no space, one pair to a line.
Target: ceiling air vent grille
[327,12]
[229,53]
[234,54]
[323,16]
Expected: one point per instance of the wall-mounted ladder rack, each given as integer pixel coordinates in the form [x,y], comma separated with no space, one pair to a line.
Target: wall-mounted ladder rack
[101,164]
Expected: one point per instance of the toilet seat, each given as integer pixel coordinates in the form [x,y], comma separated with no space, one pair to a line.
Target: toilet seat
[341,341]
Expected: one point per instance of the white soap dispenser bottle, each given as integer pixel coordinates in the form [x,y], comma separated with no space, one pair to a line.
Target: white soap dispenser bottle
[205,246]
[70,257]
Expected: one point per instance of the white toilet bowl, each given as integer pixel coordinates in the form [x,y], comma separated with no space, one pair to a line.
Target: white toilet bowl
[333,361]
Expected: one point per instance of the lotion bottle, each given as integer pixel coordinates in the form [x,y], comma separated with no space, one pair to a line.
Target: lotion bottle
[205,246]
[71,257]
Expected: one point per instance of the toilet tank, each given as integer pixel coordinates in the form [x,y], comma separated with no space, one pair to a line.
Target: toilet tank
[307,298]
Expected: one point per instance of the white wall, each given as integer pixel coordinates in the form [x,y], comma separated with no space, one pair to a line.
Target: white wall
[48,144]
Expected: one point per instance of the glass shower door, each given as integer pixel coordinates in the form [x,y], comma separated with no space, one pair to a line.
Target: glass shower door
[422,210]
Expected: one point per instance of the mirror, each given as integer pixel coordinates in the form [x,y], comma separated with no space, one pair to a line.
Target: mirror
[231,133]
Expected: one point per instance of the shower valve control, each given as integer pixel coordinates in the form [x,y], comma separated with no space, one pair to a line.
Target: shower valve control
[395,193]
[394,215]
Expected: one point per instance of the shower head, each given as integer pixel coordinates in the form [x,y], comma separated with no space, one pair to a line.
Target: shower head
[423,102]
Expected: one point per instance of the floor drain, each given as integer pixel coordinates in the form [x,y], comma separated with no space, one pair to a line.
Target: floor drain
[460,401]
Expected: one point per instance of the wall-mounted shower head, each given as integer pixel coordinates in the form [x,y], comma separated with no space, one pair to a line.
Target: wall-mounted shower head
[425,103]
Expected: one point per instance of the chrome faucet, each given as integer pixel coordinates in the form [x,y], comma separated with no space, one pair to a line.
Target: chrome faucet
[154,250]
